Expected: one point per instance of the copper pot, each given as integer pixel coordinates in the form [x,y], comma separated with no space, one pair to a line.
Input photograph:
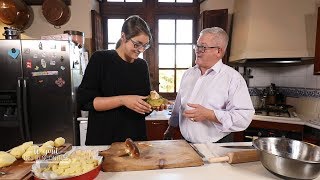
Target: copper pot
[271,99]
[56,12]
[15,13]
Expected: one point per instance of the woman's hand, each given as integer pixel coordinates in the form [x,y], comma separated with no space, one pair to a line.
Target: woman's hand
[136,103]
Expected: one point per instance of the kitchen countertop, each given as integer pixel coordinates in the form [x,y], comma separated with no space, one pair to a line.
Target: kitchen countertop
[245,171]
[308,121]
[165,115]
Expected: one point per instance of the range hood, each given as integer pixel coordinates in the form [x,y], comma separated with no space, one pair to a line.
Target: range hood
[273,31]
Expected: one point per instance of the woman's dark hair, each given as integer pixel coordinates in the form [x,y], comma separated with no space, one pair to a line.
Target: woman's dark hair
[133,26]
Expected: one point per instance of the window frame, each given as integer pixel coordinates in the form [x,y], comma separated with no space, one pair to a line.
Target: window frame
[157,17]
[151,11]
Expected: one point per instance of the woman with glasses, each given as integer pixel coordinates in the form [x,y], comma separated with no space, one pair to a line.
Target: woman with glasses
[114,87]
[213,98]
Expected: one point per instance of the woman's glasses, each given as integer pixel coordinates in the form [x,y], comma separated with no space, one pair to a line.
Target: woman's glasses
[138,45]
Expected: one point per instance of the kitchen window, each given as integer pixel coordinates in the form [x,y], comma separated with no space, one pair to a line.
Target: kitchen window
[174,52]
[173,25]
[177,1]
[114,32]
[124,0]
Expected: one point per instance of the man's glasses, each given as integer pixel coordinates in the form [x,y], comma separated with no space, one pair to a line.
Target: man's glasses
[203,49]
[139,46]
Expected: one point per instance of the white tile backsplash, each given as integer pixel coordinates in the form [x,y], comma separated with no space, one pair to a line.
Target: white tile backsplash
[291,76]
[296,81]
[258,71]
[283,80]
[311,82]
[310,70]
[260,81]
[293,71]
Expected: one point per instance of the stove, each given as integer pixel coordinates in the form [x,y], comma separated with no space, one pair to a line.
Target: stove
[276,115]
[273,113]
[315,122]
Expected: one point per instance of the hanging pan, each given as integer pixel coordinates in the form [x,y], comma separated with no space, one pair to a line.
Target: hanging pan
[56,12]
[15,13]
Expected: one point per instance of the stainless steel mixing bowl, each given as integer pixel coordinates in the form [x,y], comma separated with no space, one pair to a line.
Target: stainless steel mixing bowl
[289,158]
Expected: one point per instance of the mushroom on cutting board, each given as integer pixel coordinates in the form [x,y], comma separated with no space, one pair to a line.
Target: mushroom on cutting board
[131,148]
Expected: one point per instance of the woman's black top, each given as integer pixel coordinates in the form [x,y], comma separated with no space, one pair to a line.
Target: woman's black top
[108,75]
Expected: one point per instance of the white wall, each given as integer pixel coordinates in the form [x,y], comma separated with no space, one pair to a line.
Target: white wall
[80,20]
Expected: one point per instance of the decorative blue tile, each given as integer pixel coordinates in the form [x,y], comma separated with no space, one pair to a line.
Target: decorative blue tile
[255,91]
[290,92]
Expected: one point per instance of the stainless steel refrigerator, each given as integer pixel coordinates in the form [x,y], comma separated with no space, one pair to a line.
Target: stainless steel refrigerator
[38,81]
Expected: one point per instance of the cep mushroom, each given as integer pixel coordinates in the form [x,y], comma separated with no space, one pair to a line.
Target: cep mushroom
[131,148]
[155,100]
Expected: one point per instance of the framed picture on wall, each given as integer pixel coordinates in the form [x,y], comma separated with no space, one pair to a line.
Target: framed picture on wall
[97,31]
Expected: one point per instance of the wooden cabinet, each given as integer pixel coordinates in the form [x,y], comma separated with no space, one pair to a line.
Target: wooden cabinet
[292,131]
[317,49]
[311,135]
[273,129]
[218,18]
[270,129]
[213,18]
[156,128]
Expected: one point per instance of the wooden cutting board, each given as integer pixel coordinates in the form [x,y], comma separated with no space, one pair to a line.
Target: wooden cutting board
[22,170]
[163,154]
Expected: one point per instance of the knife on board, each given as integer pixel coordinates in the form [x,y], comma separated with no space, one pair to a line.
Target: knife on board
[197,151]
[240,156]
[239,147]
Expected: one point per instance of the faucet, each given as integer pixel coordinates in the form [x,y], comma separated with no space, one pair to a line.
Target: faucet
[247,75]
[263,99]
[262,95]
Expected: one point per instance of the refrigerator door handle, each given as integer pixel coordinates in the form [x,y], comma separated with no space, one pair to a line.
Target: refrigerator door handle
[19,109]
[25,110]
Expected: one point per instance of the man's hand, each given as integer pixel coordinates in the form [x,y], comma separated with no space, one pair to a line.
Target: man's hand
[199,113]
[164,106]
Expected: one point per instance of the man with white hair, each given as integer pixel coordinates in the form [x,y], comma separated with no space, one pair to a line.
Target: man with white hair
[213,99]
